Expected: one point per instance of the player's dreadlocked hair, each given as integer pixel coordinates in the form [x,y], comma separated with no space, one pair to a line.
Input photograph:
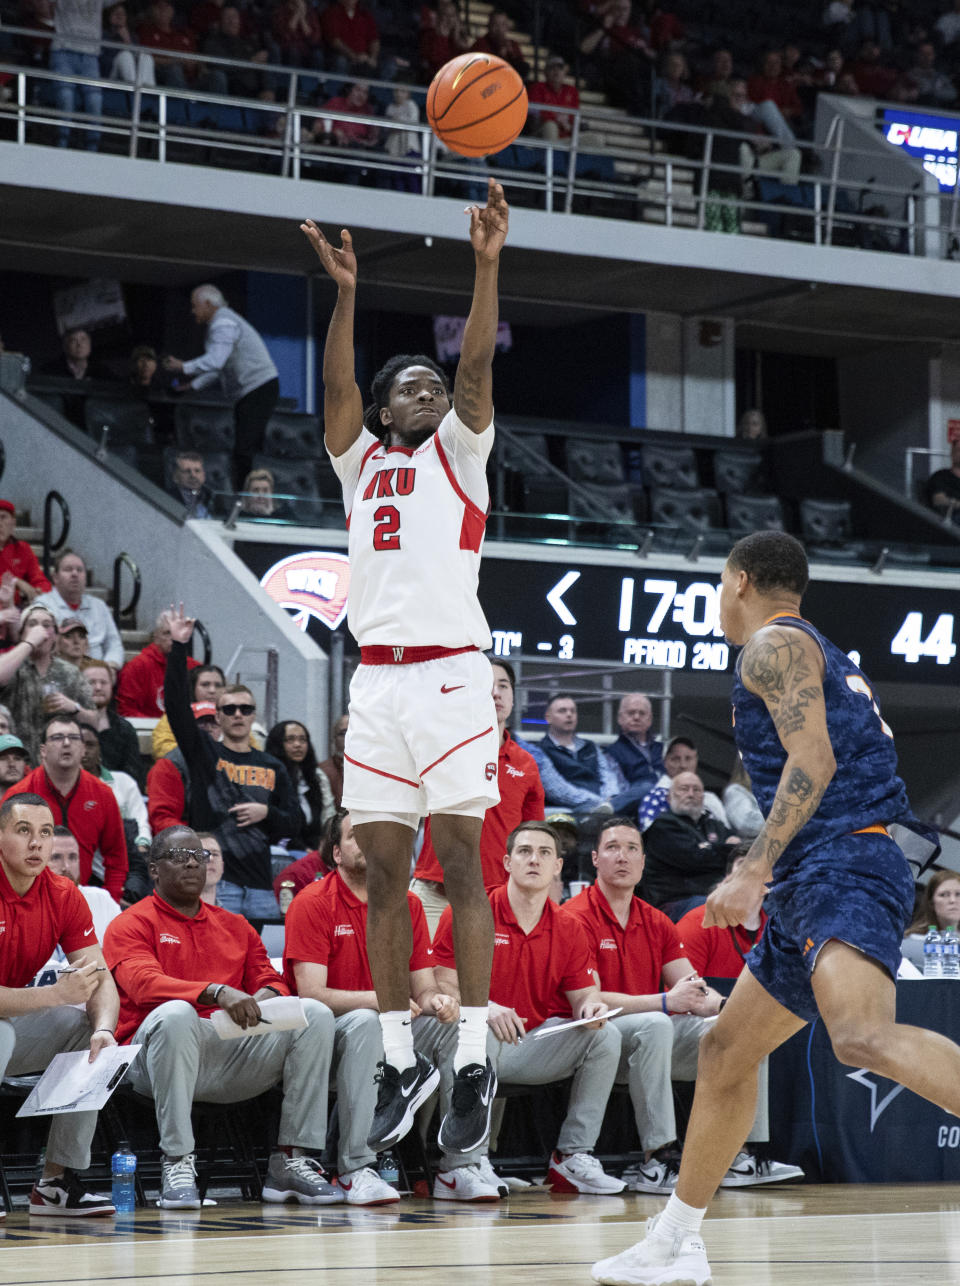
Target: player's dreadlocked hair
[773,560]
[383,382]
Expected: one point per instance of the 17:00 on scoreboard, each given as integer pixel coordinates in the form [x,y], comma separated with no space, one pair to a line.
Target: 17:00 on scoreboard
[895,632]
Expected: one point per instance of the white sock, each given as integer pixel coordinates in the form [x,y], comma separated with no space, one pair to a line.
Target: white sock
[397,1029]
[472,1038]
[677,1219]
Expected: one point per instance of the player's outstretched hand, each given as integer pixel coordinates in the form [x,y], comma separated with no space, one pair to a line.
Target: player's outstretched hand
[340,264]
[488,227]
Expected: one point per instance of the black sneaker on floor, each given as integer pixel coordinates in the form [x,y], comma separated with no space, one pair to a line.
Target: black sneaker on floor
[67,1197]
[467,1124]
[398,1098]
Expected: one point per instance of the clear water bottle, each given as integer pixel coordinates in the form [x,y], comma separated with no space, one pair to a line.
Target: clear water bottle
[951,952]
[389,1168]
[933,953]
[123,1167]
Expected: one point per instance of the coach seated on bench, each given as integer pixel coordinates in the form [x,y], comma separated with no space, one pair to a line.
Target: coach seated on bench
[176,960]
[542,973]
[687,850]
[40,911]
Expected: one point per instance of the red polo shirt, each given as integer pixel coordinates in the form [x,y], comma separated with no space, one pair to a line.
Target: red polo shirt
[327,924]
[631,959]
[140,685]
[566,96]
[91,814]
[521,800]
[158,954]
[357,33]
[532,972]
[18,558]
[715,952]
[52,911]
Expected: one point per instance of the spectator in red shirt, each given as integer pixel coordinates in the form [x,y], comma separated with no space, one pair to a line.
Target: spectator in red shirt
[297,34]
[553,91]
[178,960]
[872,77]
[770,85]
[140,686]
[716,952]
[325,957]
[521,800]
[542,972]
[667,1008]
[497,40]
[17,558]
[158,32]
[620,58]
[40,911]
[80,801]
[442,37]
[351,39]
[344,133]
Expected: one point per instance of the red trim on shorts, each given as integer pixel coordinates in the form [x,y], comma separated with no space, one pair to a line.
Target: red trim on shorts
[458,746]
[380,654]
[380,773]
[474,519]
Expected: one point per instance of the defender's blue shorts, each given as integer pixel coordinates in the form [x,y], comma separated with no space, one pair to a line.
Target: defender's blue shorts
[858,889]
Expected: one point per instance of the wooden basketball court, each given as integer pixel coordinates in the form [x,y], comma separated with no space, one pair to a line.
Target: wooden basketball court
[876,1235]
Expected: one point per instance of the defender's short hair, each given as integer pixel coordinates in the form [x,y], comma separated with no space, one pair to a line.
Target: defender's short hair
[772,560]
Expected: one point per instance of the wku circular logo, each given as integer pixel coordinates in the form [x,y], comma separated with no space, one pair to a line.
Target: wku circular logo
[314,584]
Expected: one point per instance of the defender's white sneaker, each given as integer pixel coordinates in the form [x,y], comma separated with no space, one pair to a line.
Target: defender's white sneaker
[682,1262]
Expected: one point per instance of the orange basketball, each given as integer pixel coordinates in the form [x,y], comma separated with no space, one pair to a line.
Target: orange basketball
[476,104]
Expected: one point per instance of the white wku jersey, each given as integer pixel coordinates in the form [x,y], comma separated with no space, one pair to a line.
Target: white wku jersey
[416,521]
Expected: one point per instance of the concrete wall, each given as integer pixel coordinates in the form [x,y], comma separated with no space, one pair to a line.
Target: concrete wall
[178,561]
[690,374]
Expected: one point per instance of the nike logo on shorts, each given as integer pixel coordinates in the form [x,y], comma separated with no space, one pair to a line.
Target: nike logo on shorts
[454,688]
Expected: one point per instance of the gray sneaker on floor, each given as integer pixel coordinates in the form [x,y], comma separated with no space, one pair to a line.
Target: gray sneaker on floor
[298,1179]
[178,1183]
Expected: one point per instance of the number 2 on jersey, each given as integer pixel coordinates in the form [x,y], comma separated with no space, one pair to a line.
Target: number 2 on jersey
[386,533]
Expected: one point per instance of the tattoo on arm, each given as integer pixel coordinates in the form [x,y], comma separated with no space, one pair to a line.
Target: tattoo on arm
[778,667]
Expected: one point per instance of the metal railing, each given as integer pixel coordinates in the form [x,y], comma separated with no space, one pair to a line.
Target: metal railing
[50,546]
[270,677]
[121,561]
[676,180]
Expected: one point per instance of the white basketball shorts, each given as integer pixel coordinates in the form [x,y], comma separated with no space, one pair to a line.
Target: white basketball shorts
[422,738]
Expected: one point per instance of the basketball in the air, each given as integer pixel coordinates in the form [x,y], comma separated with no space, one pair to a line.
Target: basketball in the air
[476,104]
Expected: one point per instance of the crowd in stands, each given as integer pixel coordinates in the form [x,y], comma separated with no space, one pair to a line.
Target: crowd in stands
[146,918]
[639,53]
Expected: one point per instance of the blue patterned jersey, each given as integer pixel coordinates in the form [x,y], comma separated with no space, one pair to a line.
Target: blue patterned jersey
[865,789]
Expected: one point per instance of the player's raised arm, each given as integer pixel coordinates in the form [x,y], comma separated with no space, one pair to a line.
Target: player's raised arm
[784,668]
[342,401]
[473,388]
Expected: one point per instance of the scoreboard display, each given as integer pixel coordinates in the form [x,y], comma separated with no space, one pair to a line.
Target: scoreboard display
[639,616]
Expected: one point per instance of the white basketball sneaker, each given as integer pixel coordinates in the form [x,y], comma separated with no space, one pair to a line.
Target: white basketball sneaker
[682,1262]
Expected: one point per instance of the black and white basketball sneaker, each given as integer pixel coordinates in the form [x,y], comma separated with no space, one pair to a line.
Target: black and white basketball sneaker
[467,1124]
[398,1098]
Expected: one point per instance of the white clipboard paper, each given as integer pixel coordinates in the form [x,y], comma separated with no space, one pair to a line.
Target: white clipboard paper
[576,1022]
[284,1013]
[72,1083]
